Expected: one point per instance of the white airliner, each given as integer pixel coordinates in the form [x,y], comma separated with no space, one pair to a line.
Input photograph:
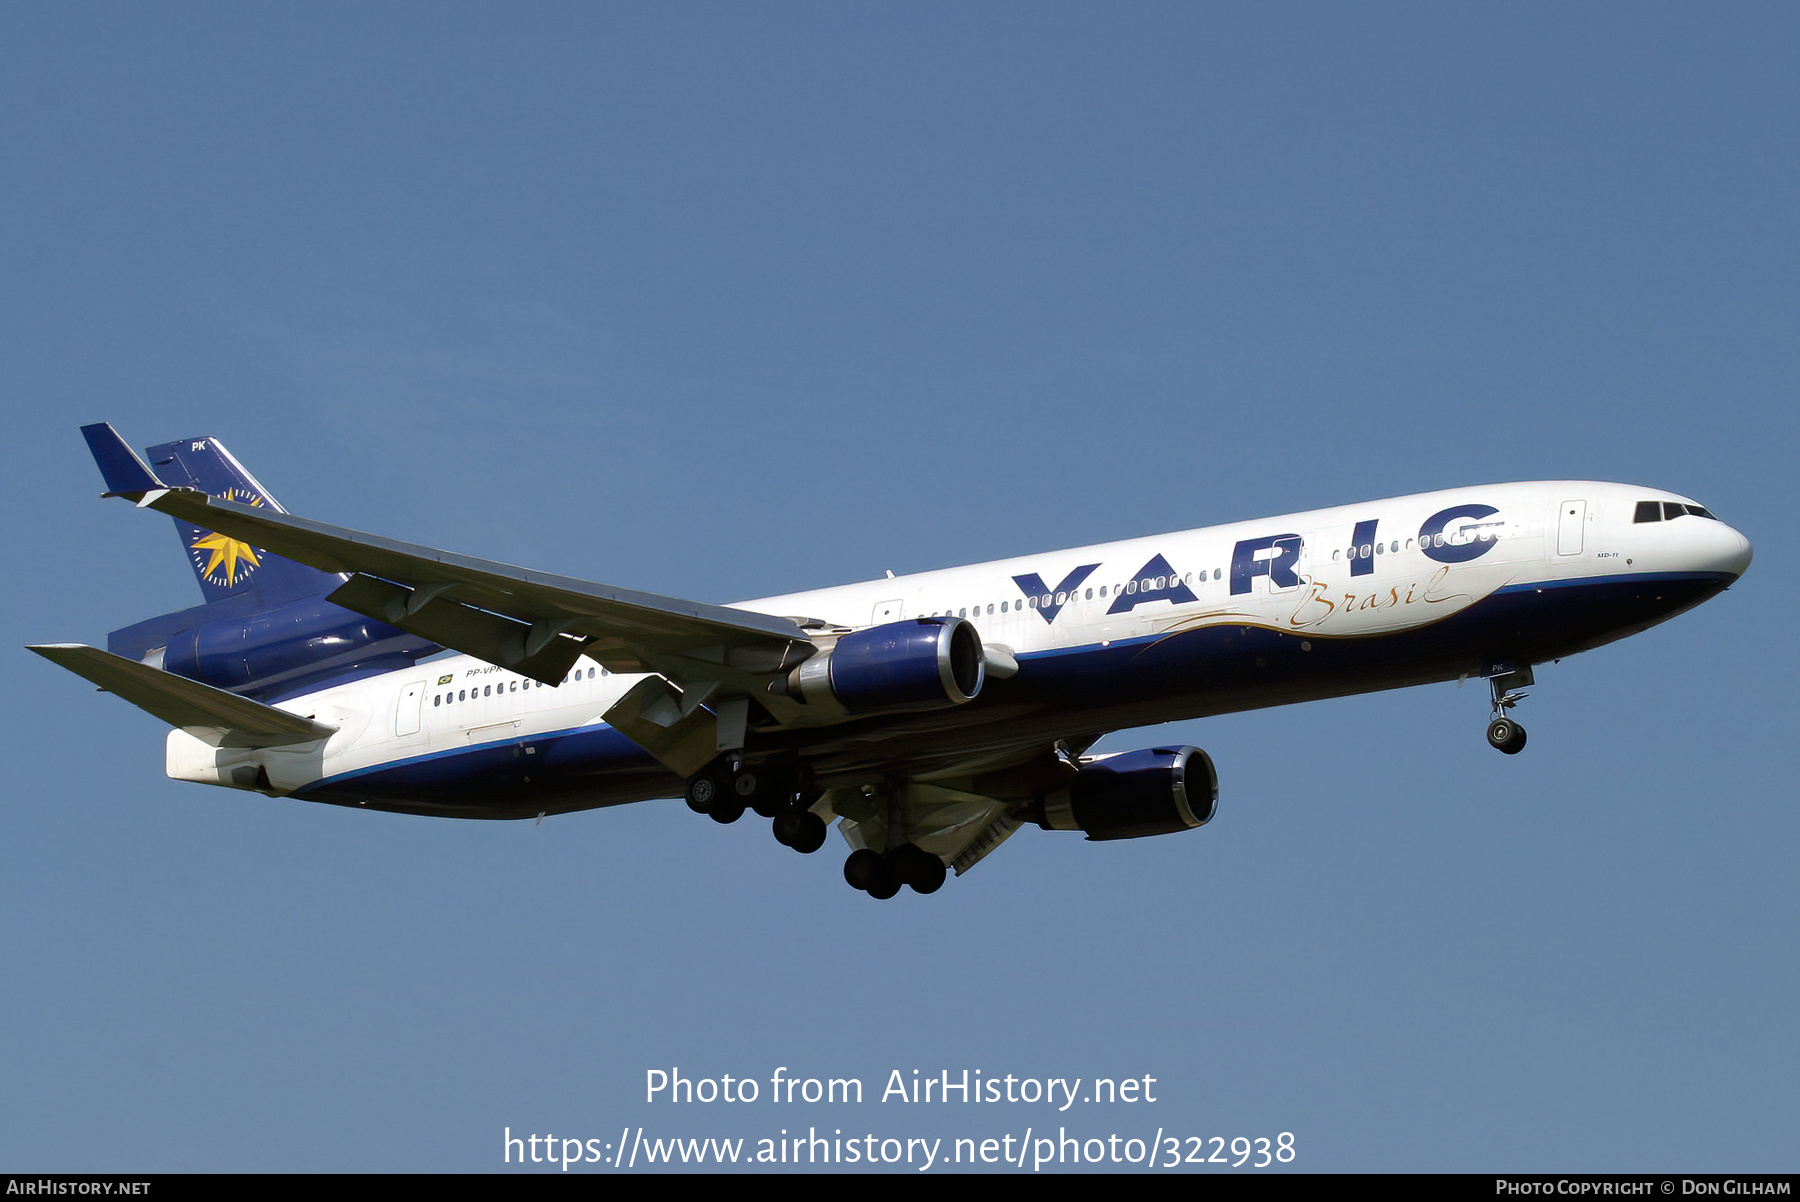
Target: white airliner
[929,715]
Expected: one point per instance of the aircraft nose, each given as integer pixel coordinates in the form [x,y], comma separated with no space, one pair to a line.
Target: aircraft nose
[1728,551]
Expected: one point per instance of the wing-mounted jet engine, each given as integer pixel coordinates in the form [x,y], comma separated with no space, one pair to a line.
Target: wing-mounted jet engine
[1131,794]
[899,667]
[908,833]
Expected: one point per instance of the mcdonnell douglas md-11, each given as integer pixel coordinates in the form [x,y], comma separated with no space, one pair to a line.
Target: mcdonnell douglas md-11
[930,716]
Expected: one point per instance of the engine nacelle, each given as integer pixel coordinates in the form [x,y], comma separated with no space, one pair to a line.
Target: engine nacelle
[1135,793]
[290,643]
[898,667]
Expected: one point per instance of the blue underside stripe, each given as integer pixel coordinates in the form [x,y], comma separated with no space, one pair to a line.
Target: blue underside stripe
[1620,578]
[596,728]
[617,744]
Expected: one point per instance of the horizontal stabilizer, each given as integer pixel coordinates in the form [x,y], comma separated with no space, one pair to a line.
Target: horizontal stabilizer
[183,702]
[124,473]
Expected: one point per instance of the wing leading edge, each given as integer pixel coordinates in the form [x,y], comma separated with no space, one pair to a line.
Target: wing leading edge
[530,622]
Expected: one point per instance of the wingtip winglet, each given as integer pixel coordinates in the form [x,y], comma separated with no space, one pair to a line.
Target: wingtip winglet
[125,474]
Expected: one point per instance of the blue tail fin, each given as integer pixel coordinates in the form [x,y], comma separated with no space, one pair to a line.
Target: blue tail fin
[225,566]
[266,629]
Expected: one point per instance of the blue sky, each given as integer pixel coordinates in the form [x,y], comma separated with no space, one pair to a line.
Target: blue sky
[723,301]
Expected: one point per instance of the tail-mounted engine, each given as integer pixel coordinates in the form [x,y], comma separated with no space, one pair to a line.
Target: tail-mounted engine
[1153,792]
[229,645]
[898,667]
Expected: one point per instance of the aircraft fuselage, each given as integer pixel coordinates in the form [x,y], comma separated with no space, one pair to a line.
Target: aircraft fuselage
[1411,590]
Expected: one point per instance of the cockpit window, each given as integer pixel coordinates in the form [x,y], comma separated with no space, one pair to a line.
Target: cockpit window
[1668,511]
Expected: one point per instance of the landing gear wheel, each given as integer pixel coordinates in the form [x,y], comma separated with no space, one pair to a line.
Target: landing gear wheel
[726,810]
[917,867]
[785,826]
[870,872]
[812,834]
[886,887]
[926,872]
[799,829]
[1503,734]
[863,868]
[702,792]
[769,790]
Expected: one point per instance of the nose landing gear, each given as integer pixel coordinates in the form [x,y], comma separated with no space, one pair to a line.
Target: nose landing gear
[1503,734]
[1506,735]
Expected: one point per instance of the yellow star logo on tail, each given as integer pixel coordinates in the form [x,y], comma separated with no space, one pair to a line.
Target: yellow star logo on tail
[237,558]
[229,552]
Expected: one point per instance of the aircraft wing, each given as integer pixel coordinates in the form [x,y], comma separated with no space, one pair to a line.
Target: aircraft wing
[186,703]
[530,622]
[533,623]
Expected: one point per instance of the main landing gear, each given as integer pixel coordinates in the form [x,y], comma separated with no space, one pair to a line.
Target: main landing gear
[725,789]
[880,874]
[785,795]
[1503,734]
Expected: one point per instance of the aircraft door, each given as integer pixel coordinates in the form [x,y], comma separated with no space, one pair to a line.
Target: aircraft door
[887,611]
[409,708]
[1572,517]
[1285,558]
